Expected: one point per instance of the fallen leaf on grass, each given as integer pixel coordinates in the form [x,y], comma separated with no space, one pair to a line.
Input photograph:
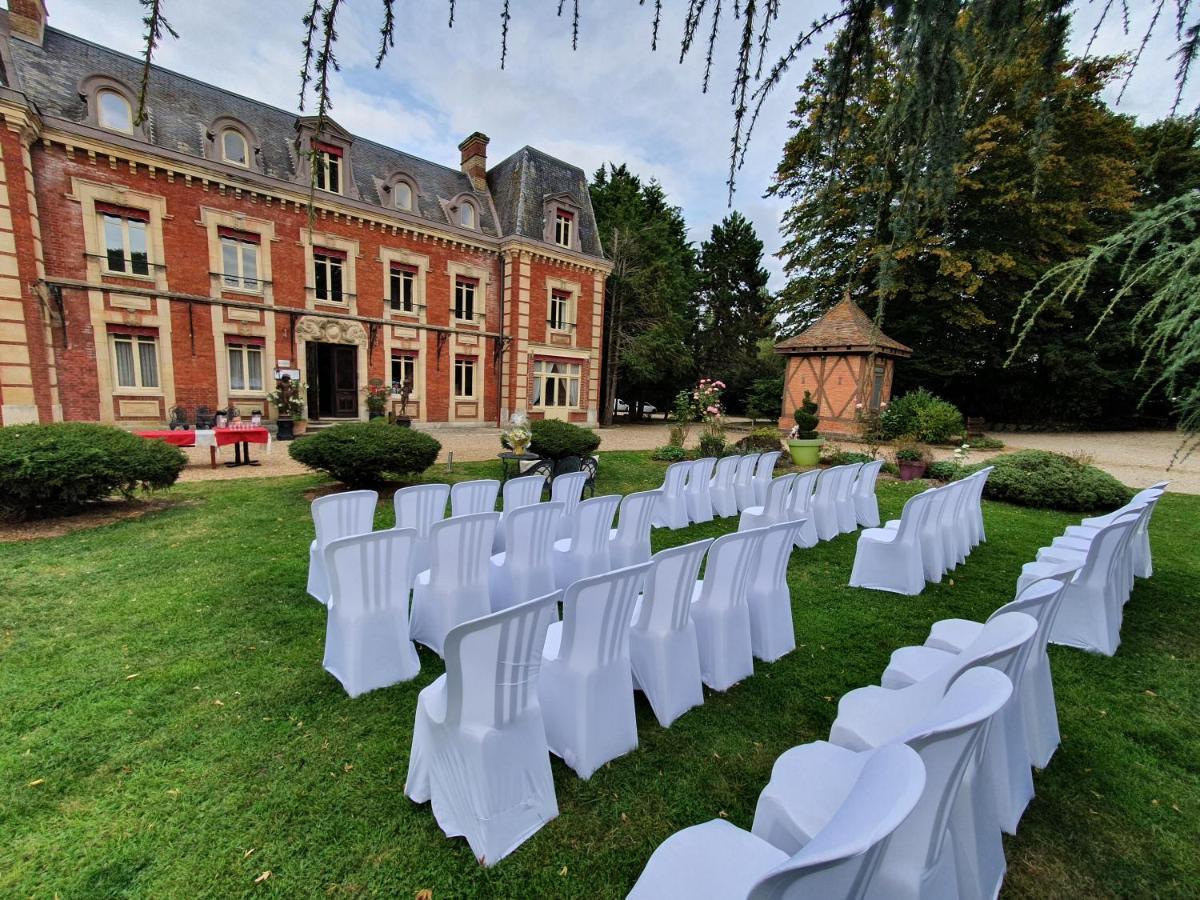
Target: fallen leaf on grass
[133,676]
[263,877]
[562,871]
[246,855]
[423,894]
[36,782]
[1149,693]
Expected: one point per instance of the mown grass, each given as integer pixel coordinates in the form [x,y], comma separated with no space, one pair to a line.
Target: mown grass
[166,728]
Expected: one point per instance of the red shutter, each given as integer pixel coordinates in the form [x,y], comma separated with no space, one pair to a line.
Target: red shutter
[329,253]
[125,212]
[248,340]
[133,330]
[463,279]
[247,237]
[401,267]
[331,149]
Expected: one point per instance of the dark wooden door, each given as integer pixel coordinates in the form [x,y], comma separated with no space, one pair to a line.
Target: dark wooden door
[345,380]
[312,362]
[332,380]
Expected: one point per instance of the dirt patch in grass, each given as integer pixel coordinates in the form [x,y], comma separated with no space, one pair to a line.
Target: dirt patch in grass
[94,516]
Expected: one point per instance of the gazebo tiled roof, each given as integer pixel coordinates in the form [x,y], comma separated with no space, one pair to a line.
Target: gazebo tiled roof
[844,328]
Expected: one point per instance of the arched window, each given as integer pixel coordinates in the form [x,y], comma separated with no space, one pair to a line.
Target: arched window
[113,111]
[403,194]
[466,215]
[234,148]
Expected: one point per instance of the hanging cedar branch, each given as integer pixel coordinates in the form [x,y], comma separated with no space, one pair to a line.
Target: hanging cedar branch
[156,24]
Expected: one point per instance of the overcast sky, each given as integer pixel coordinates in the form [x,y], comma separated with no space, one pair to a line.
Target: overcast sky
[612,100]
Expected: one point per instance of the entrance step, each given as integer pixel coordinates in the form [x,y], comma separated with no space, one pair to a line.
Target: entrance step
[321,424]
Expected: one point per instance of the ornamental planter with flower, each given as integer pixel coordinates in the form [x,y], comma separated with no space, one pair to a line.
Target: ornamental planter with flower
[804,445]
[912,461]
[377,398]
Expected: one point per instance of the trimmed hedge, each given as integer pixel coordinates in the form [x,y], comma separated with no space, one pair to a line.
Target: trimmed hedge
[1047,480]
[366,454]
[761,440]
[923,414]
[555,439]
[48,470]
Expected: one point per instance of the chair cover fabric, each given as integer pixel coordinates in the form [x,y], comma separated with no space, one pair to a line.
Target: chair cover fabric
[772,633]
[470,497]
[832,505]
[799,508]
[721,490]
[585,552]
[629,542]
[586,685]
[696,491]
[671,511]
[336,516]
[479,750]
[773,508]
[366,633]
[721,612]
[743,480]
[847,515]
[525,490]
[567,489]
[866,506]
[663,651]
[890,559]
[764,472]
[418,507]
[454,589]
[526,569]
[717,860]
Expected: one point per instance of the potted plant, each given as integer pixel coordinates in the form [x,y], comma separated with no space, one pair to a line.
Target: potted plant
[299,426]
[517,437]
[286,398]
[911,458]
[803,442]
[377,398]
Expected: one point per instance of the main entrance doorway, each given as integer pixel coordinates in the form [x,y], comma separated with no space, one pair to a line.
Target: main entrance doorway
[332,380]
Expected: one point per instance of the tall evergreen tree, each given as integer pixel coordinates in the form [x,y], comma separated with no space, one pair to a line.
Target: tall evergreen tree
[734,308]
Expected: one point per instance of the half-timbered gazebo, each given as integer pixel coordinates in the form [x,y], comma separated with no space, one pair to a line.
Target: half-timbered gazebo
[843,359]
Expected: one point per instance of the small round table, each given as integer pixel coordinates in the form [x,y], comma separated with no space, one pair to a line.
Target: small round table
[508,456]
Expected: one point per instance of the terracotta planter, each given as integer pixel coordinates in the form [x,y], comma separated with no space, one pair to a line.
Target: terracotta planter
[910,469]
[806,451]
[299,426]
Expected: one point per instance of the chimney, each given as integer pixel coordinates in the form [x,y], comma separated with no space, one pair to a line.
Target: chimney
[27,19]
[474,159]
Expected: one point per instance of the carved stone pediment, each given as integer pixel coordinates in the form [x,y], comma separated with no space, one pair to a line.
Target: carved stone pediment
[330,331]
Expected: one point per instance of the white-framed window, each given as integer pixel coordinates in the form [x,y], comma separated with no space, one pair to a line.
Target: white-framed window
[126,245]
[135,360]
[560,311]
[564,224]
[402,195]
[328,270]
[466,214]
[327,168]
[234,148]
[464,378]
[402,288]
[464,298]
[555,384]
[404,371]
[113,111]
[239,261]
[245,366]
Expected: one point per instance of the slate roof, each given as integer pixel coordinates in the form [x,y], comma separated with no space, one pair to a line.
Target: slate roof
[843,327]
[181,110]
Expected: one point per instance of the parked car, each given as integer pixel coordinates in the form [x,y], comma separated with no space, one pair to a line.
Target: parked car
[622,408]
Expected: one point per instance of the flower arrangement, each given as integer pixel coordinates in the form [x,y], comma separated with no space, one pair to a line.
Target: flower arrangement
[286,397]
[377,396]
[707,398]
[518,435]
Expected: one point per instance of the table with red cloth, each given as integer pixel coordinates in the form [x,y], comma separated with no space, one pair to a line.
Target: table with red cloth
[240,437]
[176,438]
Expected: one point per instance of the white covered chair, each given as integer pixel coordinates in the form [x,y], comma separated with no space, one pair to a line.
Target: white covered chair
[567,489]
[671,510]
[526,569]
[454,589]
[696,491]
[1143,562]
[866,507]
[930,532]
[366,633]
[586,685]
[919,861]
[975,519]
[525,490]
[629,542]
[890,559]
[479,746]
[743,480]
[1035,698]
[827,495]
[772,633]
[774,507]
[721,490]
[847,515]
[418,507]
[799,508]
[852,810]
[721,612]
[662,637]
[336,516]
[764,472]
[470,497]
[586,552]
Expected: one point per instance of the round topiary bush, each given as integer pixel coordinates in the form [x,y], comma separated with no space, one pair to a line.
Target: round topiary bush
[48,470]
[761,440]
[1052,481]
[939,421]
[366,454]
[555,439]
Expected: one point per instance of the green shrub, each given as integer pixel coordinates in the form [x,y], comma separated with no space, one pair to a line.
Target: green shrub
[712,445]
[762,402]
[983,442]
[846,457]
[944,470]
[53,469]
[1047,480]
[900,417]
[938,421]
[806,418]
[761,440]
[669,453]
[366,454]
[555,439]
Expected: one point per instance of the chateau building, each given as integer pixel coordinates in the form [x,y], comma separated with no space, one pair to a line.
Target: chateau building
[175,262]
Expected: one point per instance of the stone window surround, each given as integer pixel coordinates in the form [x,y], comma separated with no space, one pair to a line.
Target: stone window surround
[550,207]
[387,191]
[334,136]
[89,90]
[419,261]
[476,394]
[134,390]
[226,333]
[568,287]
[418,370]
[88,194]
[453,205]
[317,240]
[482,276]
[212,220]
[214,150]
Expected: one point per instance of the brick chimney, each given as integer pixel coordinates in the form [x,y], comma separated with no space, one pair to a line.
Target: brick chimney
[474,159]
[27,19]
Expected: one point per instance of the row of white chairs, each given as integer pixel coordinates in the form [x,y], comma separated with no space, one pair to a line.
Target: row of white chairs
[831,501]
[700,490]
[936,531]
[1104,555]
[520,684]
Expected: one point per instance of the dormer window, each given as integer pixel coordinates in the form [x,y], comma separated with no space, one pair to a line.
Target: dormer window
[234,148]
[113,111]
[466,215]
[327,167]
[403,195]
[564,225]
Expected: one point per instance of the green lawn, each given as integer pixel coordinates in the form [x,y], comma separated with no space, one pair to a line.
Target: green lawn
[166,728]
